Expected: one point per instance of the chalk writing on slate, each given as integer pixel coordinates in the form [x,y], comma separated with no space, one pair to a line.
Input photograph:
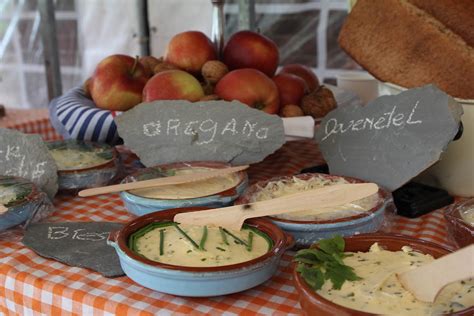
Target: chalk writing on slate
[81,244]
[171,131]
[392,139]
[26,156]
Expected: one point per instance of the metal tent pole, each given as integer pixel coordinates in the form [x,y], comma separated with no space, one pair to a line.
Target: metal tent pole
[143,28]
[50,48]
[247,15]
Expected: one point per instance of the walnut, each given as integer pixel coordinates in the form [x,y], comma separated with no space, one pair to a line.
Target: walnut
[213,71]
[319,102]
[291,110]
[210,97]
[163,67]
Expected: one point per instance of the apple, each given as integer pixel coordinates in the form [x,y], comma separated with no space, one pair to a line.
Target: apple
[149,63]
[173,85]
[305,73]
[249,86]
[247,49]
[190,50]
[117,83]
[291,88]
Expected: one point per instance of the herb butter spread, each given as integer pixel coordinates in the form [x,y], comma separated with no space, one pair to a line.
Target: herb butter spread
[379,292]
[7,194]
[13,191]
[70,159]
[192,189]
[468,215]
[199,246]
[281,188]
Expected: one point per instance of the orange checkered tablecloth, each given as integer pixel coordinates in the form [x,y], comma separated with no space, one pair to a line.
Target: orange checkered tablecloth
[30,284]
[30,121]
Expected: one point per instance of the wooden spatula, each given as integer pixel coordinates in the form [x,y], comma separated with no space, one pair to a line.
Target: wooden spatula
[234,216]
[3,208]
[426,281]
[185,178]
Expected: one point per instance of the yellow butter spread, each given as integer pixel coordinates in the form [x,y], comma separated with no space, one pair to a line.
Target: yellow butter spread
[7,194]
[281,188]
[468,215]
[218,250]
[380,292]
[192,189]
[70,159]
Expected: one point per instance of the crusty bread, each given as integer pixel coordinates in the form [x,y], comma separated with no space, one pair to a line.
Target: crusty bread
[457,15]
[397,42]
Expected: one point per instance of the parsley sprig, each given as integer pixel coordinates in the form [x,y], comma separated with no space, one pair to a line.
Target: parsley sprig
[324,261]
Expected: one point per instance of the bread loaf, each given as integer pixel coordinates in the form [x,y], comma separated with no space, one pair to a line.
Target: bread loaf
[457,15]
[398,42]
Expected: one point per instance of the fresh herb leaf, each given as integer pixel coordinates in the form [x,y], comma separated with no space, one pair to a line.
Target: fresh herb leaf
[338,274]
[203,239]
[324,261]
[332,245]
[313,276]
[162,242]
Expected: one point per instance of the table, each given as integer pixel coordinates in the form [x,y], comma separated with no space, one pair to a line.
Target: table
[32,284]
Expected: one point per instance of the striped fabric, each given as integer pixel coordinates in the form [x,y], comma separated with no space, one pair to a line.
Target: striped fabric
[75,116]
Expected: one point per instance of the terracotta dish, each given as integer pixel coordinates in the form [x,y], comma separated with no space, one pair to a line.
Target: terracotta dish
[314,304]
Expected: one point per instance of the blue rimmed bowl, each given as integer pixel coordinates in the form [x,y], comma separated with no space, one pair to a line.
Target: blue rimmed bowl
[29,203]
[139,205]
[307,232]
[83,176]
[198,281]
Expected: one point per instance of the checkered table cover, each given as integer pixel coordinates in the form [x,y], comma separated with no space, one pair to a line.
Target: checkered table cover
[30,284]
[30,121]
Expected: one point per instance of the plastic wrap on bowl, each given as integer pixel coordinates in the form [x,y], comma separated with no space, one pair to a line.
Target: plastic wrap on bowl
[460,218]
[84,164]
[307,229]
[141,203]
[23,201]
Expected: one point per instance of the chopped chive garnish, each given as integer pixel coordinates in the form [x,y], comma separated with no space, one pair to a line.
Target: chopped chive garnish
[250,241]
[224,236]
[237,239]
[203,238]
[186,236]
[162,241]
[219,248]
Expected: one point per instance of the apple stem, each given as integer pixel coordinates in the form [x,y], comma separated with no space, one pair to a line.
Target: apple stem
[135,64]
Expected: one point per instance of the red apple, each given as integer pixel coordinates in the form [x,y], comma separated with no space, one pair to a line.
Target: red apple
[117,83]
[291,88]
[149,63]
[305,73]
[247,49]
[173,85]
[249,86]
[190,50]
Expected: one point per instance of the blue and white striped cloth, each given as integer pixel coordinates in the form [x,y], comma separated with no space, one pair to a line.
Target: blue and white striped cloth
[75,116]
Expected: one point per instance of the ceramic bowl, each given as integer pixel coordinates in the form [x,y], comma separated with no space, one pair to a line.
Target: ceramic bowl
[86,177]
[308,232]
[30,203]
[461,231]
[197,281]
[314,304]
[139,205]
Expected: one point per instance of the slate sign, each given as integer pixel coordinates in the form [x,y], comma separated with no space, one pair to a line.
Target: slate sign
[172,131]
[82,244]
[392,139]
[26,156]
